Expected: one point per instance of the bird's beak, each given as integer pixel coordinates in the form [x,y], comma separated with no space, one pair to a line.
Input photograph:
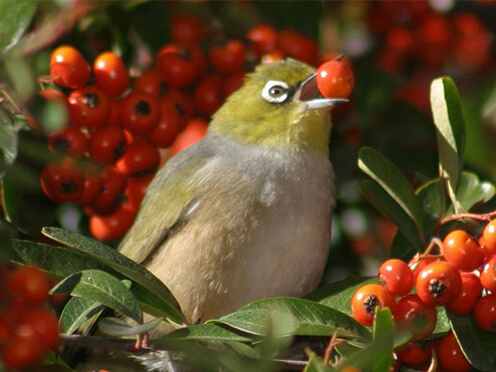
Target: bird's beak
[309,94]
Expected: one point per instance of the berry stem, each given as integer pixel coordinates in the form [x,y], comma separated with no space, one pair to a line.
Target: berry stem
[474,216]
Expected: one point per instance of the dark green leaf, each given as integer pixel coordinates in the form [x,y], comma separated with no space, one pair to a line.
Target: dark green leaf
[401,248]
[472,191]
[209,332]
[338,295]
[8,142]
[110,257]
[76,312]
[448,118]
[16,18]
[477,344]
[390,209]
[21,77]
[151,22]
[101,287]
[295,317]
[119,327]
[394,182]
[316,364]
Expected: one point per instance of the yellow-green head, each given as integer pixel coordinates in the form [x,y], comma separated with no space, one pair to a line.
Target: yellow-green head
[278,105]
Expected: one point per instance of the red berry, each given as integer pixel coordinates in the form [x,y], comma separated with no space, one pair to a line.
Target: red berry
[485,312]
[365,300]
[273,56]
[6,331]
[168,126]
[111,192]
[233,83]
[397,276]
[263,38]
[488,274]
[416,354]
[29,284]
[209,95]
[195,130]
[335,80]
[152,82]
[438,283]
[461,250]
[488,239]
[186,29]
[42,325]
[412,314]
[297,46]
[112,226]
[110,74]
[68,68]
[136,190]
[228,58]
[89,107]
[450,356]
[181,66]
[470,291]
[139,112]
[19,353]
[107,144]
[139,159]
[69,141]
[62,182]
[92,184]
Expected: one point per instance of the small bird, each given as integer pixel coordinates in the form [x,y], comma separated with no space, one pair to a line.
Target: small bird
[245,213]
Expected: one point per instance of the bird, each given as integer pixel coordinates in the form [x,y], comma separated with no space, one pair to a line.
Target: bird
[245,213]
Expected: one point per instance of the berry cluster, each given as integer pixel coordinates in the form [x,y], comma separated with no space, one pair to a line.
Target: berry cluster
[28,328]
[462,278]
[121,129]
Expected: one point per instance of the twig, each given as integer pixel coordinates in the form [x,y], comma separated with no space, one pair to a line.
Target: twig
[474,216]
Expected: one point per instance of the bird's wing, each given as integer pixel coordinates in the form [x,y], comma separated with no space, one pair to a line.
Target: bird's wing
[169,201]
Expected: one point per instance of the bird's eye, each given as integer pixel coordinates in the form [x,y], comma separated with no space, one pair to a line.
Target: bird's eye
[275,91]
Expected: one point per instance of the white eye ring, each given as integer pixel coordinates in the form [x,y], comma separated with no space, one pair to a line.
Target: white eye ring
[275,91]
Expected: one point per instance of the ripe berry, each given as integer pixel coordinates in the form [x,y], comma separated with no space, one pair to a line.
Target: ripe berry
[485,312]
[62,182]
[89,107]
[19,353]
[69,141]
[461,250]
[139,112]
[415,354]
[152,82]
[110,74]
[112,226]
[263,38]
[139,159]
[107,144]
[470,291]
[335,80]
[488,274]
[397,276]
[195,130]
[111,192]
[136,190]
[186,29]
[42,325]
[297,46]
[488,239]
[412,314]
[365,300]
[228,58]
[29,284]
[168,125]
[92,184]
[232,83]
[438,283]
[68,68]
[209,95]
[450,356]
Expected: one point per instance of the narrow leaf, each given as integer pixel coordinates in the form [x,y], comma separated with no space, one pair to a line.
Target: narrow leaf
[450,128]
[119,327]
[101,287]
[295,317]
[210,332]
[15,20]
[381,200]
[120,263]
[8,142]
[393,181]
[76,312]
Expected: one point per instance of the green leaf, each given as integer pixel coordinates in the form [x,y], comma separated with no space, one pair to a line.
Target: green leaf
[394,182]
[385,204]
[442,323]
[295,316]
[209,332]
[477,344]
[472,191]
[76,312]
[316,364]
[152,286]
[150,20]
[8,142]
[119,327]
[448,118]
[338,295]
[101,287]
[15,20]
